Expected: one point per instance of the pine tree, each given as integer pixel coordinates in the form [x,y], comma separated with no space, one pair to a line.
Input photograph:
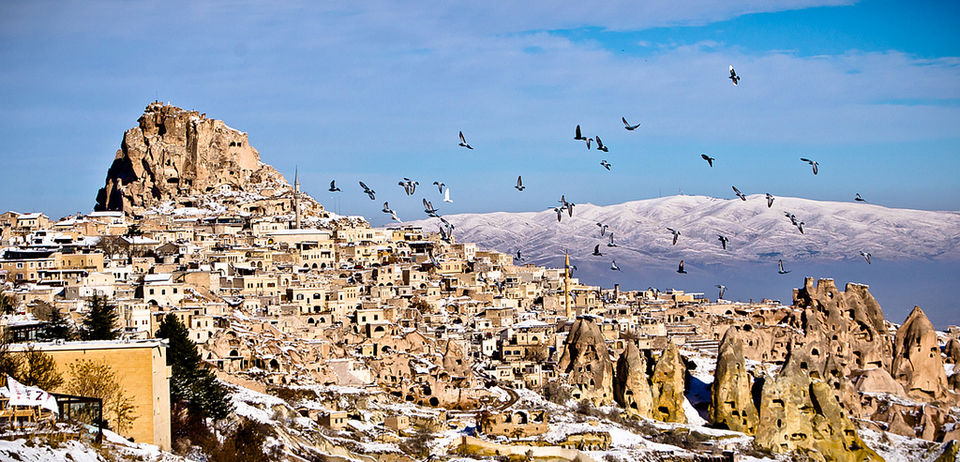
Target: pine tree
[100,323]
[58,327]
[191,381]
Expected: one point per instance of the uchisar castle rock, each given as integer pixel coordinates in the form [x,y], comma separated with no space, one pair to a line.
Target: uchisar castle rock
[394,344]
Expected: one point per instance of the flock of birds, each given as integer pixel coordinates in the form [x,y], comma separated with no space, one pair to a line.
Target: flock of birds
[446,228]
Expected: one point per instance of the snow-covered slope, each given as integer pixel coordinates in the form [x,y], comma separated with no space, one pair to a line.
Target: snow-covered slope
[832,231]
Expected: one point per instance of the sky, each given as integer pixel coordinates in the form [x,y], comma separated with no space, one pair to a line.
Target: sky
[377,91]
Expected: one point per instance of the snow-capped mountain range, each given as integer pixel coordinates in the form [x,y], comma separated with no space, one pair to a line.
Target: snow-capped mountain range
[833,231]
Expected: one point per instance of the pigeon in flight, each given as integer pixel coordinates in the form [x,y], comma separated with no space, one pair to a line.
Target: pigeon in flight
[446,195]
[519,256]
[792,217]
[780,266]
[463,142]
[812,163]
[520,186]
[439,186]
[676,235]
[627,124]
[613,266]
[800,227]
[596,251]
[723,241]
[723,289]
[448,227]
[733,76]
[739,194]
[409,186]
[866,256]
[566,205]
[605,164]
[578,136]
[680,268]
[588,143]
[333,186]
[603,228]
[611,244]
[386,207]
[559,211]
[394,217]
[443,234]
[708,159]
[429,208]
[769,200]
[600,146]
[368,191]
[859,199]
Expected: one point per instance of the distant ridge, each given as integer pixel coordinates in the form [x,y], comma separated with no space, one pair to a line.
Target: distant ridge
[833,231]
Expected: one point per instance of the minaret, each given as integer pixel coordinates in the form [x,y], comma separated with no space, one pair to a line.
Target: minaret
[566,285]
[296,197]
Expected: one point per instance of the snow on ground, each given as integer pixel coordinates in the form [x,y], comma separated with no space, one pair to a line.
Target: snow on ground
[29,451]
[254,405]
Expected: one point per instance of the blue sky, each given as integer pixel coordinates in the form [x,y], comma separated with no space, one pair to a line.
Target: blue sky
[378,90]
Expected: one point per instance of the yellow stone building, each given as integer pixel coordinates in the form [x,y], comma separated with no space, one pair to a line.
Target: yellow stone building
[142,369]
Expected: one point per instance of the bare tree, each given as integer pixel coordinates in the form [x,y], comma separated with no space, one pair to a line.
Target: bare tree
[97,379]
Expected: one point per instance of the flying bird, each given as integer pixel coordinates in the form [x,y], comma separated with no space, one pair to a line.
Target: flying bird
[520,186]
[559,211]
[446,195]
[780,266]
[596,251]
[733,76]
[723,241]
[386,207]
[448,227]
[769,200]
[605,164]
[866,256]
[463,142]
[800,227]
[600,146]
[676,235]
[603,228]
[627,124]
[611,244]
[859,199]
[409,186]
[519,256]
[739,194]
[792,217]
[680,268]
[333,186]
[368,191]
[613,266]
[429,208]
[708,159]
[566,205]
[723,289]
[588,143]
[812,163]
[394,217]
[578,136]
[439,186]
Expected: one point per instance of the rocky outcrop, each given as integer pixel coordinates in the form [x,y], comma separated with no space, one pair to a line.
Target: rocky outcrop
[454,361]
[631,387]
[177,156]
[849,324]
[952,351]
[917,364]
[798,413]
[667,386]
[731,399]
[587,362]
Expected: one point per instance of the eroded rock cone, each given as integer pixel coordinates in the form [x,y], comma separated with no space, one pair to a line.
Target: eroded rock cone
[587,362]
[917,364]
[667,386]
[631,389]
[798,413]
[731,403]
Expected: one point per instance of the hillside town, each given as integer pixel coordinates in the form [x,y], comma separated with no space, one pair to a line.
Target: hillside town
[397,343]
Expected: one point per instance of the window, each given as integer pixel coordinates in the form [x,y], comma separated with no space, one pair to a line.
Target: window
[151,291]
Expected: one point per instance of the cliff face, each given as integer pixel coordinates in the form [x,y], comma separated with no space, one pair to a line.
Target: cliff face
[177,155]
